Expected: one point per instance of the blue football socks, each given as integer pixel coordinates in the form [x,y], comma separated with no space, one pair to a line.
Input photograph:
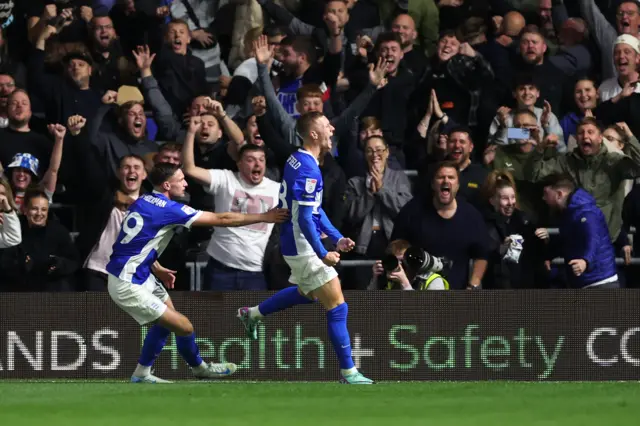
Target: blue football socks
[189,349]
[339,335]
[154,341]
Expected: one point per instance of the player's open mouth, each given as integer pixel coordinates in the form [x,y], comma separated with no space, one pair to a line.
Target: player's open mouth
[177,43]
[132,179]
[257,138]
[256,173]
[204,135]
[445,190]
[137,124]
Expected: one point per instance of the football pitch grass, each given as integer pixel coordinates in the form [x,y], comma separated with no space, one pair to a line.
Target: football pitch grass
[263,404]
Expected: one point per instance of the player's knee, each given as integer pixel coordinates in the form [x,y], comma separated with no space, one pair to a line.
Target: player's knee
[186,328]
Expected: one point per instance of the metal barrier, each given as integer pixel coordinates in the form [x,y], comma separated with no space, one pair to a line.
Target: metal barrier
[195,268]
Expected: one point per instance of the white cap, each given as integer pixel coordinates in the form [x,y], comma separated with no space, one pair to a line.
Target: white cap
[630,40]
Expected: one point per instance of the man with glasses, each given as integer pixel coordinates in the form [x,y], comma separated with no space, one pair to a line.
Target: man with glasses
[627,22]
[111,68]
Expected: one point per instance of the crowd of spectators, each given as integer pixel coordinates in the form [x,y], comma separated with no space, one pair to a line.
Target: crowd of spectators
[472,129]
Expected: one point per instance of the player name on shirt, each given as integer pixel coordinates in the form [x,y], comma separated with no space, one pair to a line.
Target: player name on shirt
[155,201]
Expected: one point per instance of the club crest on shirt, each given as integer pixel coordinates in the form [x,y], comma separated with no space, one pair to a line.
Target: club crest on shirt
[310,185]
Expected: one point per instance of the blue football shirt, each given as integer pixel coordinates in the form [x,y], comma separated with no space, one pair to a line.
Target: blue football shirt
[146,231]
[301,186]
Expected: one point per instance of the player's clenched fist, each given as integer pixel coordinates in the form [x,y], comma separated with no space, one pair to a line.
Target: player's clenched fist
[76,123]
[345,244]
[332,258]
[276,215]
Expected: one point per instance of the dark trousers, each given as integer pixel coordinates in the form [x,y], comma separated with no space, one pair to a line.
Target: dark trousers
[219,277]
[93,280]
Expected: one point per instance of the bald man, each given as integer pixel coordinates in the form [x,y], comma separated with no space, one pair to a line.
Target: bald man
[404,25]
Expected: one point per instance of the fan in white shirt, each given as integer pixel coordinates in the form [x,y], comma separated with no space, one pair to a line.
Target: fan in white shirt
[245,191]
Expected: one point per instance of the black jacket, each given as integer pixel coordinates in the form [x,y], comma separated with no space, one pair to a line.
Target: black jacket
[28,266]
[181,78]
[527,273]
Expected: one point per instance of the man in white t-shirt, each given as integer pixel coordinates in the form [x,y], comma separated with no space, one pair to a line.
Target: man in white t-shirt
[236,254]
[626,58]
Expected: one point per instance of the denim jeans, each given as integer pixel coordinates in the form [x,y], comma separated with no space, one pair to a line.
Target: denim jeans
[219,277]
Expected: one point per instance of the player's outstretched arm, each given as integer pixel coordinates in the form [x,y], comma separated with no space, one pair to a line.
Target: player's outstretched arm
[238,219]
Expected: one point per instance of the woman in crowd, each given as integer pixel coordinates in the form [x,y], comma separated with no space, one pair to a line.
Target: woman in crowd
[46,259]
[372,204]
[516,245]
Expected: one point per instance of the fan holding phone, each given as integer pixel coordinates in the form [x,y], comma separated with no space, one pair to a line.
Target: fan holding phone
[526,94]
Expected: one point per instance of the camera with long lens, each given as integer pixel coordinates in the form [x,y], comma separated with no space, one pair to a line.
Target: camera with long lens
[422,262]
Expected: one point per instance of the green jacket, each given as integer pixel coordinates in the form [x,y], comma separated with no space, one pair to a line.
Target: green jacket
[602,175]
[510,158]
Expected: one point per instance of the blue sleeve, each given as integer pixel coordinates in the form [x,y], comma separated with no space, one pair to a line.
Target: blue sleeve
[179,214]
[327,227]
[308,228]
[586,237]
[305,189]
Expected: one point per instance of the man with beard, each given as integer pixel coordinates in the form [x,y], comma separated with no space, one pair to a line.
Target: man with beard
[18,136]
[626,57]
[111,69]
[471,176]
[592,167]
[627,22]
[550,80]
[446,226]
[236,255]
[590,259]
[63,97]
[310,97]
[128,138]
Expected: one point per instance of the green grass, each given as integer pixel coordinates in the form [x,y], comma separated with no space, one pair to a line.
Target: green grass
[305,404]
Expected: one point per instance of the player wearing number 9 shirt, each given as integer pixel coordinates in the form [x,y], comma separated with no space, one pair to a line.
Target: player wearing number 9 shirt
[146,230]
[311,264]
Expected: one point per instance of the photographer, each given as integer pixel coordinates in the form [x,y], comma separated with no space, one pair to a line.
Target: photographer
[389,273]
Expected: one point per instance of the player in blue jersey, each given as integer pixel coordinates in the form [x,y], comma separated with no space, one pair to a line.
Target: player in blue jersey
[311,264]
[146,230]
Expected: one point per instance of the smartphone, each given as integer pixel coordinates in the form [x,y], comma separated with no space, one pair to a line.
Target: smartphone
[517,133]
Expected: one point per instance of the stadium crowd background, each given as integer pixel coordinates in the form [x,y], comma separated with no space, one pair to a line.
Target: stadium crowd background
[93,93]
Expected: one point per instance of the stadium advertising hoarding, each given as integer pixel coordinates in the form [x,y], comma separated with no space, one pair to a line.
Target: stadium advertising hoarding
[526,335]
